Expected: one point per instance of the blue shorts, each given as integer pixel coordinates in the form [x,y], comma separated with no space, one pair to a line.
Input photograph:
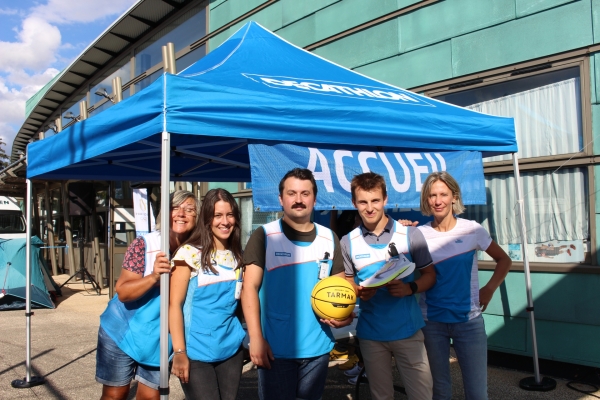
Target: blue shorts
[115,368]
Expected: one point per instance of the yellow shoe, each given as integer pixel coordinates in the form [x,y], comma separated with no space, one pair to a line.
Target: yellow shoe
[352,360]
[338,355]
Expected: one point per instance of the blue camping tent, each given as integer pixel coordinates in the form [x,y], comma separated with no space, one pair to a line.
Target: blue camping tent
[12,273]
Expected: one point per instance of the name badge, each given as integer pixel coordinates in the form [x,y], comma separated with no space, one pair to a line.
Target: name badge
[324,268]
[238,290]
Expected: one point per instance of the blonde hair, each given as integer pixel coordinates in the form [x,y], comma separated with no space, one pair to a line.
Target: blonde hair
[457,203]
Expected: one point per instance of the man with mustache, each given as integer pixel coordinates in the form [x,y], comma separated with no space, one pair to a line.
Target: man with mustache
[284,259]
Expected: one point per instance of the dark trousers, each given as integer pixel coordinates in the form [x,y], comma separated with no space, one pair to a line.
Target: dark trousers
[216,380]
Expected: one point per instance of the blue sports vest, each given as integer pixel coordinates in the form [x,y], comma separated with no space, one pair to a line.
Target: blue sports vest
[384,317]
[289,324]
[212,331]
[135,325]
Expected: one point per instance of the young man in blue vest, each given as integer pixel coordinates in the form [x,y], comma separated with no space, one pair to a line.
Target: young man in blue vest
[284,260]
[390,320]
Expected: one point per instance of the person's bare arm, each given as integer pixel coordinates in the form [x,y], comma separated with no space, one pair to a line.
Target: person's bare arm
[177,292]
[260,351]
[398,288]
[503,263]
[132,286]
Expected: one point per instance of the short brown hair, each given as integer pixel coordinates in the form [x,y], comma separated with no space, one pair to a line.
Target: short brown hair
[303,174]
[367,182]
[457,206]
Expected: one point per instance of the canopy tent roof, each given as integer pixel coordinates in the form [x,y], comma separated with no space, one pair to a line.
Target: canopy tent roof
[256,87]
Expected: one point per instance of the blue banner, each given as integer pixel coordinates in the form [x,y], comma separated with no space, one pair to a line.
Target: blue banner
[404,174]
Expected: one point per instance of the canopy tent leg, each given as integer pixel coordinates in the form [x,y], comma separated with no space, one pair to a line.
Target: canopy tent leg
[535,383]
[168,53]
[29,380]
[164,278]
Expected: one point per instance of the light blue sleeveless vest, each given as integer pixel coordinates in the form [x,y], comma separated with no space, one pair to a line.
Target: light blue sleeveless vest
[288,322]
[384,317]
[212,331]
[135,325]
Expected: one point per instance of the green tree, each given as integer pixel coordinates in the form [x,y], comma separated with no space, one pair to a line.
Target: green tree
[4,159]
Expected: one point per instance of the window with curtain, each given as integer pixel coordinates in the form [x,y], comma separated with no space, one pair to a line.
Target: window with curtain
[556,210]
[546,109]
[548,121]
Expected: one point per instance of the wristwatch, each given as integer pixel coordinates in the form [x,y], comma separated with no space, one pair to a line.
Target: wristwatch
[413,287]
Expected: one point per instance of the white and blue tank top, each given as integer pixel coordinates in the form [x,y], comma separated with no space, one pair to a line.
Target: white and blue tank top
[455,295]
[291,271]
[212,330]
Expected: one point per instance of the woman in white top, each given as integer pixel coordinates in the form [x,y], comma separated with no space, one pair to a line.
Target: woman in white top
[205,287]
[452,307]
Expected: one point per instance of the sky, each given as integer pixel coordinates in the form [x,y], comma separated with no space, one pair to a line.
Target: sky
[38,39]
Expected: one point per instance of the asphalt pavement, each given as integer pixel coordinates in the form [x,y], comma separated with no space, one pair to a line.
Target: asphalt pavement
[63,351]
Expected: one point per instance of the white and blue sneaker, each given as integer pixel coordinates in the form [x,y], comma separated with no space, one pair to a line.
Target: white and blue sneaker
[353,380]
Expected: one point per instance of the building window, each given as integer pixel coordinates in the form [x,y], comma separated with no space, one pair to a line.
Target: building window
[185,30]
[546,109]
[549,121]
[251,220]
[556,210]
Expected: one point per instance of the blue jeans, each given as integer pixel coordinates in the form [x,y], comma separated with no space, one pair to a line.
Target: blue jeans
[115,368]
[293,378]
[470,345]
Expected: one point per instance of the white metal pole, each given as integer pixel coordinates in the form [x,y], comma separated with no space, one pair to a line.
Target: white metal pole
[165,228]
[29,380]
[28,284]
[527,383]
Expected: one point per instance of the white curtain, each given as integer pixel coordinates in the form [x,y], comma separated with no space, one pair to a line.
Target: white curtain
[556,206]
[547,118]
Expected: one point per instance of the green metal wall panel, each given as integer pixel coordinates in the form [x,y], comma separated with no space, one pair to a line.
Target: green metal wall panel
[597,170]
[370,45]
[229,10]
[269,17]
[596,133]
[350,13]
[527,7]
[594,63]
[215,3]
[506,333]
[556,30]
[294,10]
[557,297]
[301,33]
[448,19]
[429,64]
[596,20]
[568,342]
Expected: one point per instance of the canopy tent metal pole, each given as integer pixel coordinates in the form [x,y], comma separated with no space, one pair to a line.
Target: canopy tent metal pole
[29,380]
[535,383]
[168,53]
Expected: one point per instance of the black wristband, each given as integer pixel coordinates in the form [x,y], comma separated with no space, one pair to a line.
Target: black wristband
[413,287]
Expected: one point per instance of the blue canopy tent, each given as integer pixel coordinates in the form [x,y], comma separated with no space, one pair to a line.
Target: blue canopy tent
[255,88]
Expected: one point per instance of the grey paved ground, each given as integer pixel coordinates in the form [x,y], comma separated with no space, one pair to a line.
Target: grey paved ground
[64,343]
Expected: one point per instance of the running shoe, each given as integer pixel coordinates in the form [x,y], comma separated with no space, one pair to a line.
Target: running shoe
[352,381]
[354,371]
